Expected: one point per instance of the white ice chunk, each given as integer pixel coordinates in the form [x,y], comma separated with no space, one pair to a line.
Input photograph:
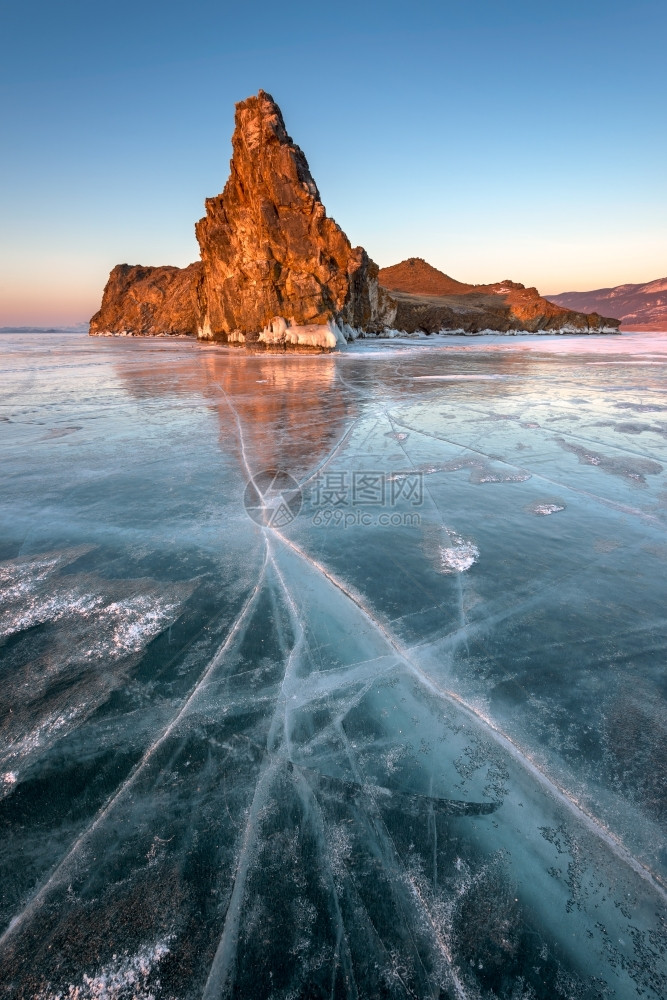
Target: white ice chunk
[279,332]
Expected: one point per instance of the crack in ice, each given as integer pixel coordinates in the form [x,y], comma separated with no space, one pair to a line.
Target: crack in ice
[592,823]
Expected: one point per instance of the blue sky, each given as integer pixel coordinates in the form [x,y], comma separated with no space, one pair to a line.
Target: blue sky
[517,140]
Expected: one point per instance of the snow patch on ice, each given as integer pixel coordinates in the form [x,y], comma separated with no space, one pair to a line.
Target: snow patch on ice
[133,623]
[30,598]
[24,604]
[395,755]
[124,978]
[544,509]
[499,477]
[459,556]
[632,467]
[480,471]
[50,728]
[7,782]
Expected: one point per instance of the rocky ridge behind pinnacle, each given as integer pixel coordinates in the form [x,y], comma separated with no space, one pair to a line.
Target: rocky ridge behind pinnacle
[429,301]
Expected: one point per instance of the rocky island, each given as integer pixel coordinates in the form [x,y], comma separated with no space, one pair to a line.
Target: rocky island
[277,272]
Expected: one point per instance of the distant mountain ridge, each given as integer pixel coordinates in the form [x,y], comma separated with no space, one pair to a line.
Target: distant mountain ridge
[641,307]
[430,300]
[72,328]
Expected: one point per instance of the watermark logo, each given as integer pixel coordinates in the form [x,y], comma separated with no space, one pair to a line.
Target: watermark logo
[366,488]
[273,498]
[338,517]
[346,499]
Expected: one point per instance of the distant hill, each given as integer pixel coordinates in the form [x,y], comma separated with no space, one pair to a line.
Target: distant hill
[639,307]
[430,300]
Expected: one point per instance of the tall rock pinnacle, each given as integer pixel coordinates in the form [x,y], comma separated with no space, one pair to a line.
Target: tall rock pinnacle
[268,247]
[275,269]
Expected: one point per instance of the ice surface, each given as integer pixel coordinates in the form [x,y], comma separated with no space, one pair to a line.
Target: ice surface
[411,743]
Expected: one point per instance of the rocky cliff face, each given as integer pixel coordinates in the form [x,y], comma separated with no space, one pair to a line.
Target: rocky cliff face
[145,301]
[638,307]
[275,269]
[429,300]
[268,247]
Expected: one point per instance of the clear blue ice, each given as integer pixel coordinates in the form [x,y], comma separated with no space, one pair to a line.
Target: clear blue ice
[408,739]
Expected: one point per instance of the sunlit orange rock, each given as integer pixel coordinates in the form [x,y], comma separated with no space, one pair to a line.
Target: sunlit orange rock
[147,301]
[276,270]
[269,248]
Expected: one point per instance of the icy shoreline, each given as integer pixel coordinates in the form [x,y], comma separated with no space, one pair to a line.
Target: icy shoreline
[331,337]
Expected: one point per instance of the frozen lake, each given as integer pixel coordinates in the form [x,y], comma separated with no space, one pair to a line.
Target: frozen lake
[388,723]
